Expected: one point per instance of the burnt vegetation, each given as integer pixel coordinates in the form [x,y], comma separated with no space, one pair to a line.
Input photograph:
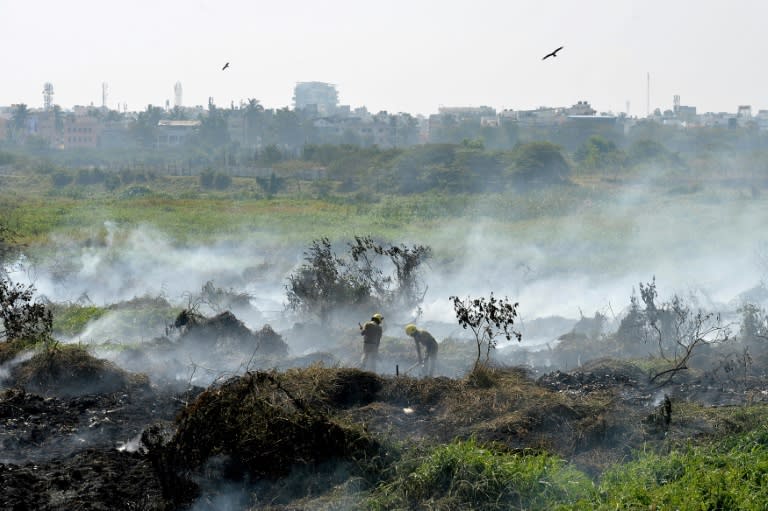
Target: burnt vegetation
[497,429]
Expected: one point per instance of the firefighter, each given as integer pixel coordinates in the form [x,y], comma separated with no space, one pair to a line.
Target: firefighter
[424,339]
[371,333]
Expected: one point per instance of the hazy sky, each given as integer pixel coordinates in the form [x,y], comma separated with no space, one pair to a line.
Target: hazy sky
[400,55]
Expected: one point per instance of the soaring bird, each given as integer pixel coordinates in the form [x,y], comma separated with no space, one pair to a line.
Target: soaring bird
[225,66]
[553,54]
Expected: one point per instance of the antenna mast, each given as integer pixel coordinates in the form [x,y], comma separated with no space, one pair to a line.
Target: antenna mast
[47,96]
[648,97]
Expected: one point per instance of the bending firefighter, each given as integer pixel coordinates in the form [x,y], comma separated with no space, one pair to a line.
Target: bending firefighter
[424,340]
[371,333]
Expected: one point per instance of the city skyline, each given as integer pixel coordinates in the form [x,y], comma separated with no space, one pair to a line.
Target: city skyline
[400,57]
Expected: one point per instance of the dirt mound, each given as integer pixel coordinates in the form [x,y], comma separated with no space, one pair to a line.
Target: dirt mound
[66,371]
[226,331]
[253,428]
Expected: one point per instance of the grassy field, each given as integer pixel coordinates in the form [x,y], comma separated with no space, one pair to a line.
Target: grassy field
[599,212]
[597,226]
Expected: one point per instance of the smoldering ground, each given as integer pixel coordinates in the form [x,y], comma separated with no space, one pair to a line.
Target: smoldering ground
[559,266]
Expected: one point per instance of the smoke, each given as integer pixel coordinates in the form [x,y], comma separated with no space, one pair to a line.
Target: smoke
[124,264]
[592,259]
[560,265]
[5,369]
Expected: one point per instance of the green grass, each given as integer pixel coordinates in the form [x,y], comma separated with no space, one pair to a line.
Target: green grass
[731,474]
[466,475]
[563,220]
[69,321]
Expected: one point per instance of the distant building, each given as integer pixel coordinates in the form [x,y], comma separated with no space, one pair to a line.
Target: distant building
[744,112]
[718,119]
[118,135]
[450,117]
[581,108]
[744,115]
[541,117]
[686,114]
[462,113]
[761,118]
[319,95]
[81,131]
[175,133]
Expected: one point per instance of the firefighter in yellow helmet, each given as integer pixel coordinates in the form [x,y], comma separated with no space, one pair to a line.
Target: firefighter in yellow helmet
[424,339]
[371,333]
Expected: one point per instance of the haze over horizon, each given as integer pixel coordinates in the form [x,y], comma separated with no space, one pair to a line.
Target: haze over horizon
[400,57]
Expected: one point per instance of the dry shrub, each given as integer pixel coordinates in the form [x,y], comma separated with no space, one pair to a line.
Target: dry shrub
[72,371]
[225,328]
[10,349]
[262,430]
[408,391]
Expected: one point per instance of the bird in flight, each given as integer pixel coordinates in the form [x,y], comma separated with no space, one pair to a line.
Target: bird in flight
[225,66]
[553,54]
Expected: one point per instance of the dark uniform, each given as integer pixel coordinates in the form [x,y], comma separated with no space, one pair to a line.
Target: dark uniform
[371,333]
[424,339]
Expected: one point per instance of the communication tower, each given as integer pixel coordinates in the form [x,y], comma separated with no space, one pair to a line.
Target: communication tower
[104,94]
[177,94]
[47,96]
[648,96]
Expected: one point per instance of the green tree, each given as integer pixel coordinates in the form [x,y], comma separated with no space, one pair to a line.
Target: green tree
[323,283]
[271,185]
[8,244]
[540,163]
[145,128]
[327,283]
[254,122]
[19,120]
[213,127]
[599,153]
[21,316]
[222,181]
[410,171]
[650,151]
[58,120]
[177,113]
[287,128]
[406,130]
[487,319]
[271,155]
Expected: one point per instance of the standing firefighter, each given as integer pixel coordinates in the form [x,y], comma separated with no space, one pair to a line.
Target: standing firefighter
[371,333]
[424,339]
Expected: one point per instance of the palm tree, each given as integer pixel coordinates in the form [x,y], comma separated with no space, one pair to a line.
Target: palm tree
[253,119]
[19,119]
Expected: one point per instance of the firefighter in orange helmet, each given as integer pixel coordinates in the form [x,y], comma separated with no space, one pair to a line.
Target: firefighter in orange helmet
[371,333]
